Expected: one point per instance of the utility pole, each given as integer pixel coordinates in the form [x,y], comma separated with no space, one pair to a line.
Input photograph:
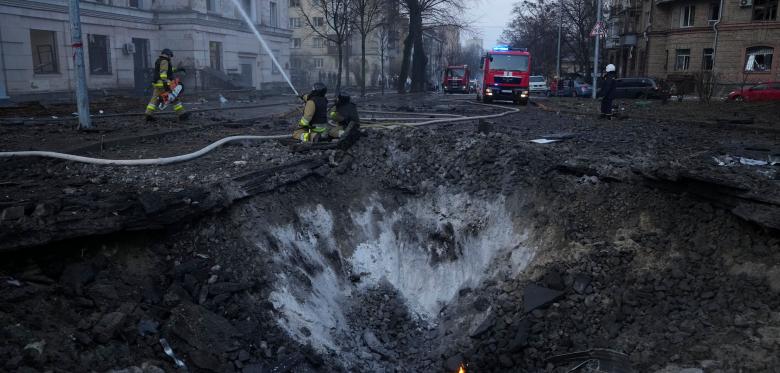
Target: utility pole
[560,21]
[3,91]
[596,53]
[82,99]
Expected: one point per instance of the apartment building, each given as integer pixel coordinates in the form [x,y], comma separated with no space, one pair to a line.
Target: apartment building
[675,39]
[314,58]
[122,38]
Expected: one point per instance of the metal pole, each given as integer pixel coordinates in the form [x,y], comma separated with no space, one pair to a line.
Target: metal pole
[596,52]
[560,21]
[82,99]
[3,89]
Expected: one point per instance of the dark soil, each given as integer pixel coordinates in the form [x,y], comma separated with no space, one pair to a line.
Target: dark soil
[656,250]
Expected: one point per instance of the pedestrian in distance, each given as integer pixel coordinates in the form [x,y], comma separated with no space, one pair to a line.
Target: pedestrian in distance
[608,91]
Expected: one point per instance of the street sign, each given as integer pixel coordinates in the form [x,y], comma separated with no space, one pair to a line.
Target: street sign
[598,29]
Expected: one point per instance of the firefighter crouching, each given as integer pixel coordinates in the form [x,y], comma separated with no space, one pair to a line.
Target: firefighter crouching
[163,74]
[344,115]
[312,126]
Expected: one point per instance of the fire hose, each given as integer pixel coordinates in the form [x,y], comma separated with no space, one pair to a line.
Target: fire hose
[218,143]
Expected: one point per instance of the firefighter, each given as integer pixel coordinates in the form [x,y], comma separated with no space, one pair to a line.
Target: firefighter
[163,73]
[344,115]
[607,93]
[312,125]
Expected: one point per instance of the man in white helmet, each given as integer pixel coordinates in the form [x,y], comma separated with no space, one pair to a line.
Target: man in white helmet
[607,92]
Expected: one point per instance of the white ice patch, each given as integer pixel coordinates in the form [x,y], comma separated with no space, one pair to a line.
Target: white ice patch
[484,231]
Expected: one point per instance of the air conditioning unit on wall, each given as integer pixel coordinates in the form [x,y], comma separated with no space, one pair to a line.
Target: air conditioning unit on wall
[129,48]
[745,3]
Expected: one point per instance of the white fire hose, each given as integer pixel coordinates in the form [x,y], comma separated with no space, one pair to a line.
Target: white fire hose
[218,143]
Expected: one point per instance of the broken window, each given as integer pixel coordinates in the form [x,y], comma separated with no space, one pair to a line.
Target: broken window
[764,10]
[683,60]
[759,59]
[706,60]
[272,13]
[687,15]
[99,55]
[215,55]
[44,51]
[318,21]
[295,43]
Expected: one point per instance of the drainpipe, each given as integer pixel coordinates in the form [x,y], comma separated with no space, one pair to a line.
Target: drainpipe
[4,83]
[715,43]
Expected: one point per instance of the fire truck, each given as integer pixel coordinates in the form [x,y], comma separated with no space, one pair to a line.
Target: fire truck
[456,79]
[506,72]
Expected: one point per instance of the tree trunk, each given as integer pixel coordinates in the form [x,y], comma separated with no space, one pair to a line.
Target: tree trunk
[341,60]
[347,68]
[419,60]
[363,65]
[382,68]
[405,61]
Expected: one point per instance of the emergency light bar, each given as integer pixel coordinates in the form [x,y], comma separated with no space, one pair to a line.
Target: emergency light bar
[506,48]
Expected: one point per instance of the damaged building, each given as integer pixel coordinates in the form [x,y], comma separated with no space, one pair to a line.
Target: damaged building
[123,37]
[675,40]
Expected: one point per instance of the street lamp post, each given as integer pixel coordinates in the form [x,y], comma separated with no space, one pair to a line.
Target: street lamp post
[82,99]
[596,52]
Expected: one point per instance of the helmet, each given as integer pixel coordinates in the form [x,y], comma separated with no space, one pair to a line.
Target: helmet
[610,68]
[167,52]
[319,89]
[342,98]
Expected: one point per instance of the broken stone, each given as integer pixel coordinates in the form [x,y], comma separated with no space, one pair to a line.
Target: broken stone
[204,360]
[374,345]
[147,327]
[105,328]
[228,287]
[535,296]
[484,326]
[12,213]
[76,275]
[581,283]
[453,363]
[201,328]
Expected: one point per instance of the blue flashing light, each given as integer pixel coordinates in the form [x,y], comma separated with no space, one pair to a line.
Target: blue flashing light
[501,48]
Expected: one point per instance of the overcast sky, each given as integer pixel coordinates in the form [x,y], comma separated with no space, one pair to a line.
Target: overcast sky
[491,17]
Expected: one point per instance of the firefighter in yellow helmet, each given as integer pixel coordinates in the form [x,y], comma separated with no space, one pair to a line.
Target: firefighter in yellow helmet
[163,74]
[344,115]
[312,126]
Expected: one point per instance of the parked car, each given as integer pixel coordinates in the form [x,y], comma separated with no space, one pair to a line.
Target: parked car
[639,88]
[538,85]
[768,91]
[573,88]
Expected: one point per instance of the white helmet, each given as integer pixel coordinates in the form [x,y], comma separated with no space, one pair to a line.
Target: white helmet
[610,68]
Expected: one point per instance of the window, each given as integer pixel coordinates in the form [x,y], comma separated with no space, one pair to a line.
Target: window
[274,69]
[318,43]
[318,21]
[215,55]
[272,13]
[683,60]
[687,15]
[211,5]
[759,59]
[294,3]
[134,3]
[715,12]
[99,55]
[247,6]
[318,63]
[706,59]
[764,10]
[295,43]
[295,22]
[666,61]
[44,51]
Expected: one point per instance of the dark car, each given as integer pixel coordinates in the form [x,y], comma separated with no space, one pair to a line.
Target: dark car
[639,88]
[571,88]
[767,91]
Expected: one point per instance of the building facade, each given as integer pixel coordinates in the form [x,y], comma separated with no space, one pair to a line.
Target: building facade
[314,58]
[122,39]
[735,40]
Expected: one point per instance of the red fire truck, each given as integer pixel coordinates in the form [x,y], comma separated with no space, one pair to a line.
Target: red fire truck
[456,79]
[506,71]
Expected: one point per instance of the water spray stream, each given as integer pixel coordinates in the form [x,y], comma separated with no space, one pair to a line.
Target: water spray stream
[264,44]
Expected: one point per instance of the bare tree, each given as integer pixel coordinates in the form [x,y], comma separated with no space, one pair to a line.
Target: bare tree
[366,16]
[384,33]
[336,16]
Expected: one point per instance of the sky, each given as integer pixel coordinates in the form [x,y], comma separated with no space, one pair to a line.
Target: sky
[491,18]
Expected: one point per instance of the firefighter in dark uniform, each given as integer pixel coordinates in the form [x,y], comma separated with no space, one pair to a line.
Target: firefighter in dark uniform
[344,116]
[313,125]
[163,73]
[608,91]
